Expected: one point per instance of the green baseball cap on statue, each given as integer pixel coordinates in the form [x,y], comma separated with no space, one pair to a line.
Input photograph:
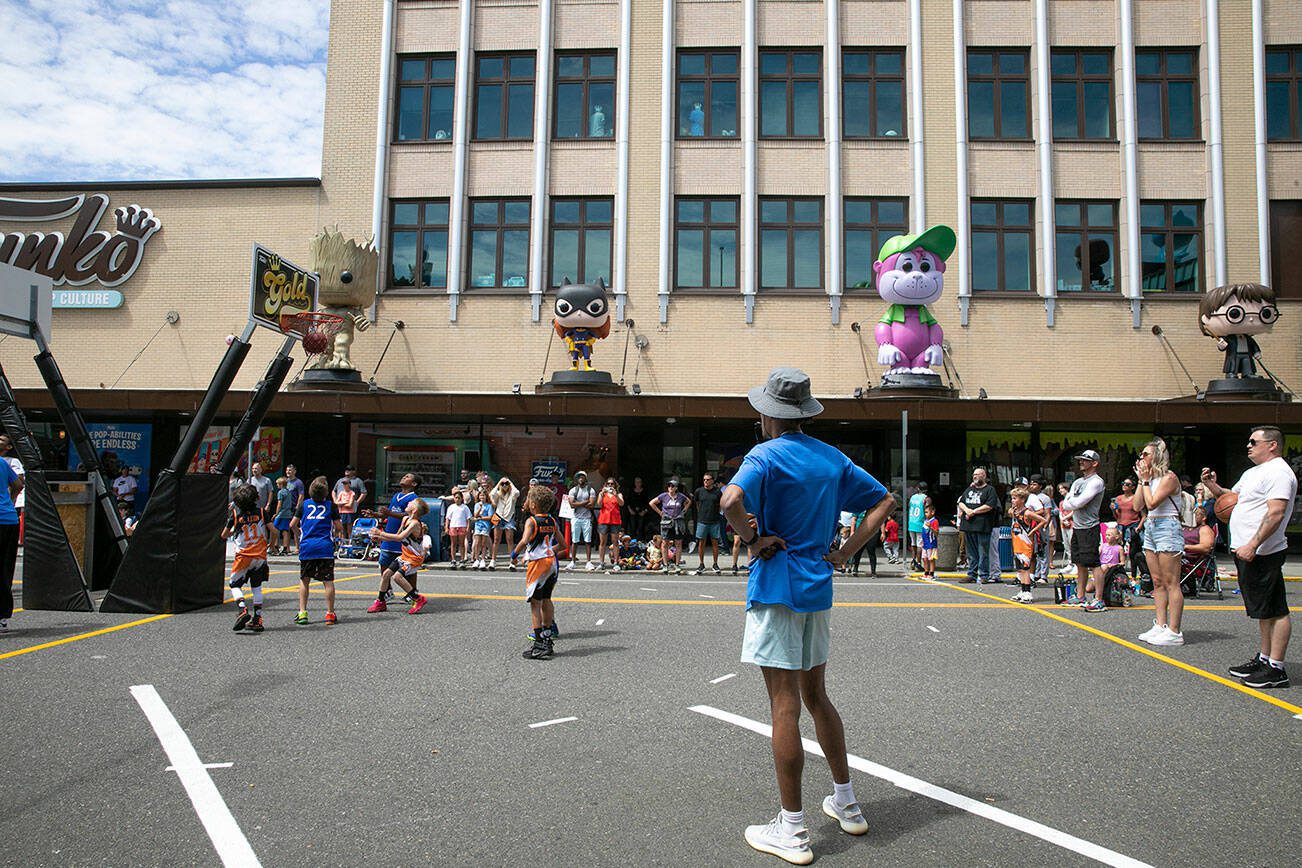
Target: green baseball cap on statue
[939,239]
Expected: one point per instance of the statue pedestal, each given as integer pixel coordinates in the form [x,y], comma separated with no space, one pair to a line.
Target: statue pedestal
[580,383]
[911,385]
[1245,389]
[329,380]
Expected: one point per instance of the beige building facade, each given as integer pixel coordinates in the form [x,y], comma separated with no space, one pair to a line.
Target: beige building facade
[729,169]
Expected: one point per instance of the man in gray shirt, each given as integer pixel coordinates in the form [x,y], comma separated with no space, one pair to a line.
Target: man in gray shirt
[266,488]
[582,498]
[1084,500]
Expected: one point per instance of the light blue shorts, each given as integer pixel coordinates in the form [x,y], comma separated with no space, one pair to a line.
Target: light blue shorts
[1163,534]
[581,530]
[783,639]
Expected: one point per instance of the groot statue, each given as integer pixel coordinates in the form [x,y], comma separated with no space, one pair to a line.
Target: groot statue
[347,272]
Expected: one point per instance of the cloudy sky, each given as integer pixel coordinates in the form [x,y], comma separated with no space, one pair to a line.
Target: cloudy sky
[97,90]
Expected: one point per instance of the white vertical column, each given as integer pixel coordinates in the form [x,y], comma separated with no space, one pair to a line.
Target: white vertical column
[622,114]
[749,132]
[383,112]
[1044,148]
[542,127]
[1215,141]
[1133,288]
[667,40]
[918,207]
[460,146]
[964,227]
[832,74]
[1259,139]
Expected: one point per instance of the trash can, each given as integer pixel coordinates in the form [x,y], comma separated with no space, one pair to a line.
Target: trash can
[1005,549]
[947,553]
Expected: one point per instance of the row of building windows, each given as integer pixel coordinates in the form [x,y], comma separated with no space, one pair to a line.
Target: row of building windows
[872,94]
[791,247]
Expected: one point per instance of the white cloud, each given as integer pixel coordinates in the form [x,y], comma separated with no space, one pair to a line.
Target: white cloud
[140,90]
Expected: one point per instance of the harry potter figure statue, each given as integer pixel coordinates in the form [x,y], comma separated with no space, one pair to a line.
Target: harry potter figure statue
[1232,315]
[582,319]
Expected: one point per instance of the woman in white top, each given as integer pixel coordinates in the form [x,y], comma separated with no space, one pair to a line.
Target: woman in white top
[503,496]
[1158,495]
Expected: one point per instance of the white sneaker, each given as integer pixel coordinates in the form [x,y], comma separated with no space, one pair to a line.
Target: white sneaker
[1167,637]
[591,567]
[770,838]
[1022,597]
[1153,631]
[570,565]
[850,817]
[614,568]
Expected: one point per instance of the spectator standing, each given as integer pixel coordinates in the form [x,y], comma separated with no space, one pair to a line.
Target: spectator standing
[709,522]
[1084,500]
[583,497]
[124,488]
[1266,491]
[1188,503]
[1065,525]
[265,487]
[637,500]
[294,484]
[1128,519]
[1039,502]
[283,522]
[7,450]
[1158,497]
[232,485]
[891,537]
[870,547]
[348,494]
[672,505]
[796,486]
[504,497]
[978,509]
[917,518]
[11,485]
[610,528]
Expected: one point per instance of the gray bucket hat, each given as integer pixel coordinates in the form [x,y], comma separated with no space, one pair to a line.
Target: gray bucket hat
[786,395]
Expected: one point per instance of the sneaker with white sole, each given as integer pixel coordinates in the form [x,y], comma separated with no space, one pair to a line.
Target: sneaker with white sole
[1095,605]
[569,566]
[1022,597]
[1167,637]
[850,817]
[591,567]
[1152,632]
[770,838]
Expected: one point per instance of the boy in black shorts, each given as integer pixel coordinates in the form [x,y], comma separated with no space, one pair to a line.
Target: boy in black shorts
[538,542]
[320,523]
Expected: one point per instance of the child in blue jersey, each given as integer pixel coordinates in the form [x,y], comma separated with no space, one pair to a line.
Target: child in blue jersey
[930,540]
[391,546]
[320,524]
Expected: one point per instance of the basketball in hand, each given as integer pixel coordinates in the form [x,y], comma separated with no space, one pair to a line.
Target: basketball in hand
[1225,505]
[315,342]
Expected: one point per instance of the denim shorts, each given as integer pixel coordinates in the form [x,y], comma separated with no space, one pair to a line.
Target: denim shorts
[1163,534]
[782,639]
[581,530]
[708,530]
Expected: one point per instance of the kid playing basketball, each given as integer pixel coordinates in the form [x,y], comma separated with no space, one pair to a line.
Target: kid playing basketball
[247,524]
[538,543]
[410,536]
[394,516]
[317,518]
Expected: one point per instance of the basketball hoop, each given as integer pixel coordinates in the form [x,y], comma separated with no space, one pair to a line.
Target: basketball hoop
[314,328]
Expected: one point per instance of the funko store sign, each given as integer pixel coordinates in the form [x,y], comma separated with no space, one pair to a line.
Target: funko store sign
[86,254]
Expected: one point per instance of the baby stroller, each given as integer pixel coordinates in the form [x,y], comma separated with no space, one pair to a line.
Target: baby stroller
[359,546]
[1198,573]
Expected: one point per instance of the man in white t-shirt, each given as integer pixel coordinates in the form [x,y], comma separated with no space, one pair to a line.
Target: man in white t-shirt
[1039,502]
[1266,493]
[7,450]
[124,488]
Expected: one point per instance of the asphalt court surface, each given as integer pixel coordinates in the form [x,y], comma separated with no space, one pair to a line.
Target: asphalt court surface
[391,739]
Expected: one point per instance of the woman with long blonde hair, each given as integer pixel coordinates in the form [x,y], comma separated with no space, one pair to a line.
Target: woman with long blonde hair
[1158,495]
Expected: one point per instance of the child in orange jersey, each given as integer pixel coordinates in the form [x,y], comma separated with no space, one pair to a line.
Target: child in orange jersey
[248,525]
[402,571]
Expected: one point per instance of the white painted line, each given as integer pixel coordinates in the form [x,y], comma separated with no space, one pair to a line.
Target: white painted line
[706,596]
[932,629]
[98,657]
[551,722]
[940,794]
[231,845]
[724,677]
[600,621]
[647,589]
[1297,717]
[205,765]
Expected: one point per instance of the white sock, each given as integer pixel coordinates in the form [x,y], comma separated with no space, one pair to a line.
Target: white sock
[792,821]
[1278,664]
[843,795]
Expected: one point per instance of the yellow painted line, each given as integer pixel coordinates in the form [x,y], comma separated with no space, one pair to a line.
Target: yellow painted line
[1179,664]
[80,636]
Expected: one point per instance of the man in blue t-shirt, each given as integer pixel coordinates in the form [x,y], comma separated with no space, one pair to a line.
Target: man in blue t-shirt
[793,488]
[10,484]
[406,493]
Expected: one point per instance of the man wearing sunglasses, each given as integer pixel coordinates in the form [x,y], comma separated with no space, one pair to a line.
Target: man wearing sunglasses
[1233,314]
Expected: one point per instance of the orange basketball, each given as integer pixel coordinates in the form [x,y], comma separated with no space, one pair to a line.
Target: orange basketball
[1225,505]
[316,342]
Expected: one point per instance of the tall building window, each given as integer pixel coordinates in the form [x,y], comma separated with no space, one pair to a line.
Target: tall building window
[1166,93]
[707,94]
[1082,94]
[870,223]
[998,94]
[791,94]
[705,243]
[1171,245]
[504,96]
[1284,94]
[581,240]
[1285,264]
[791,243]
[872,93]
[1086,245]
[1003,255]
[418,243]
[585,95]
[499,243]
[424,104]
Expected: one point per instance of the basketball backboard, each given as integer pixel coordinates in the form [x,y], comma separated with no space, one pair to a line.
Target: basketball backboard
[26,299]
[279,288]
